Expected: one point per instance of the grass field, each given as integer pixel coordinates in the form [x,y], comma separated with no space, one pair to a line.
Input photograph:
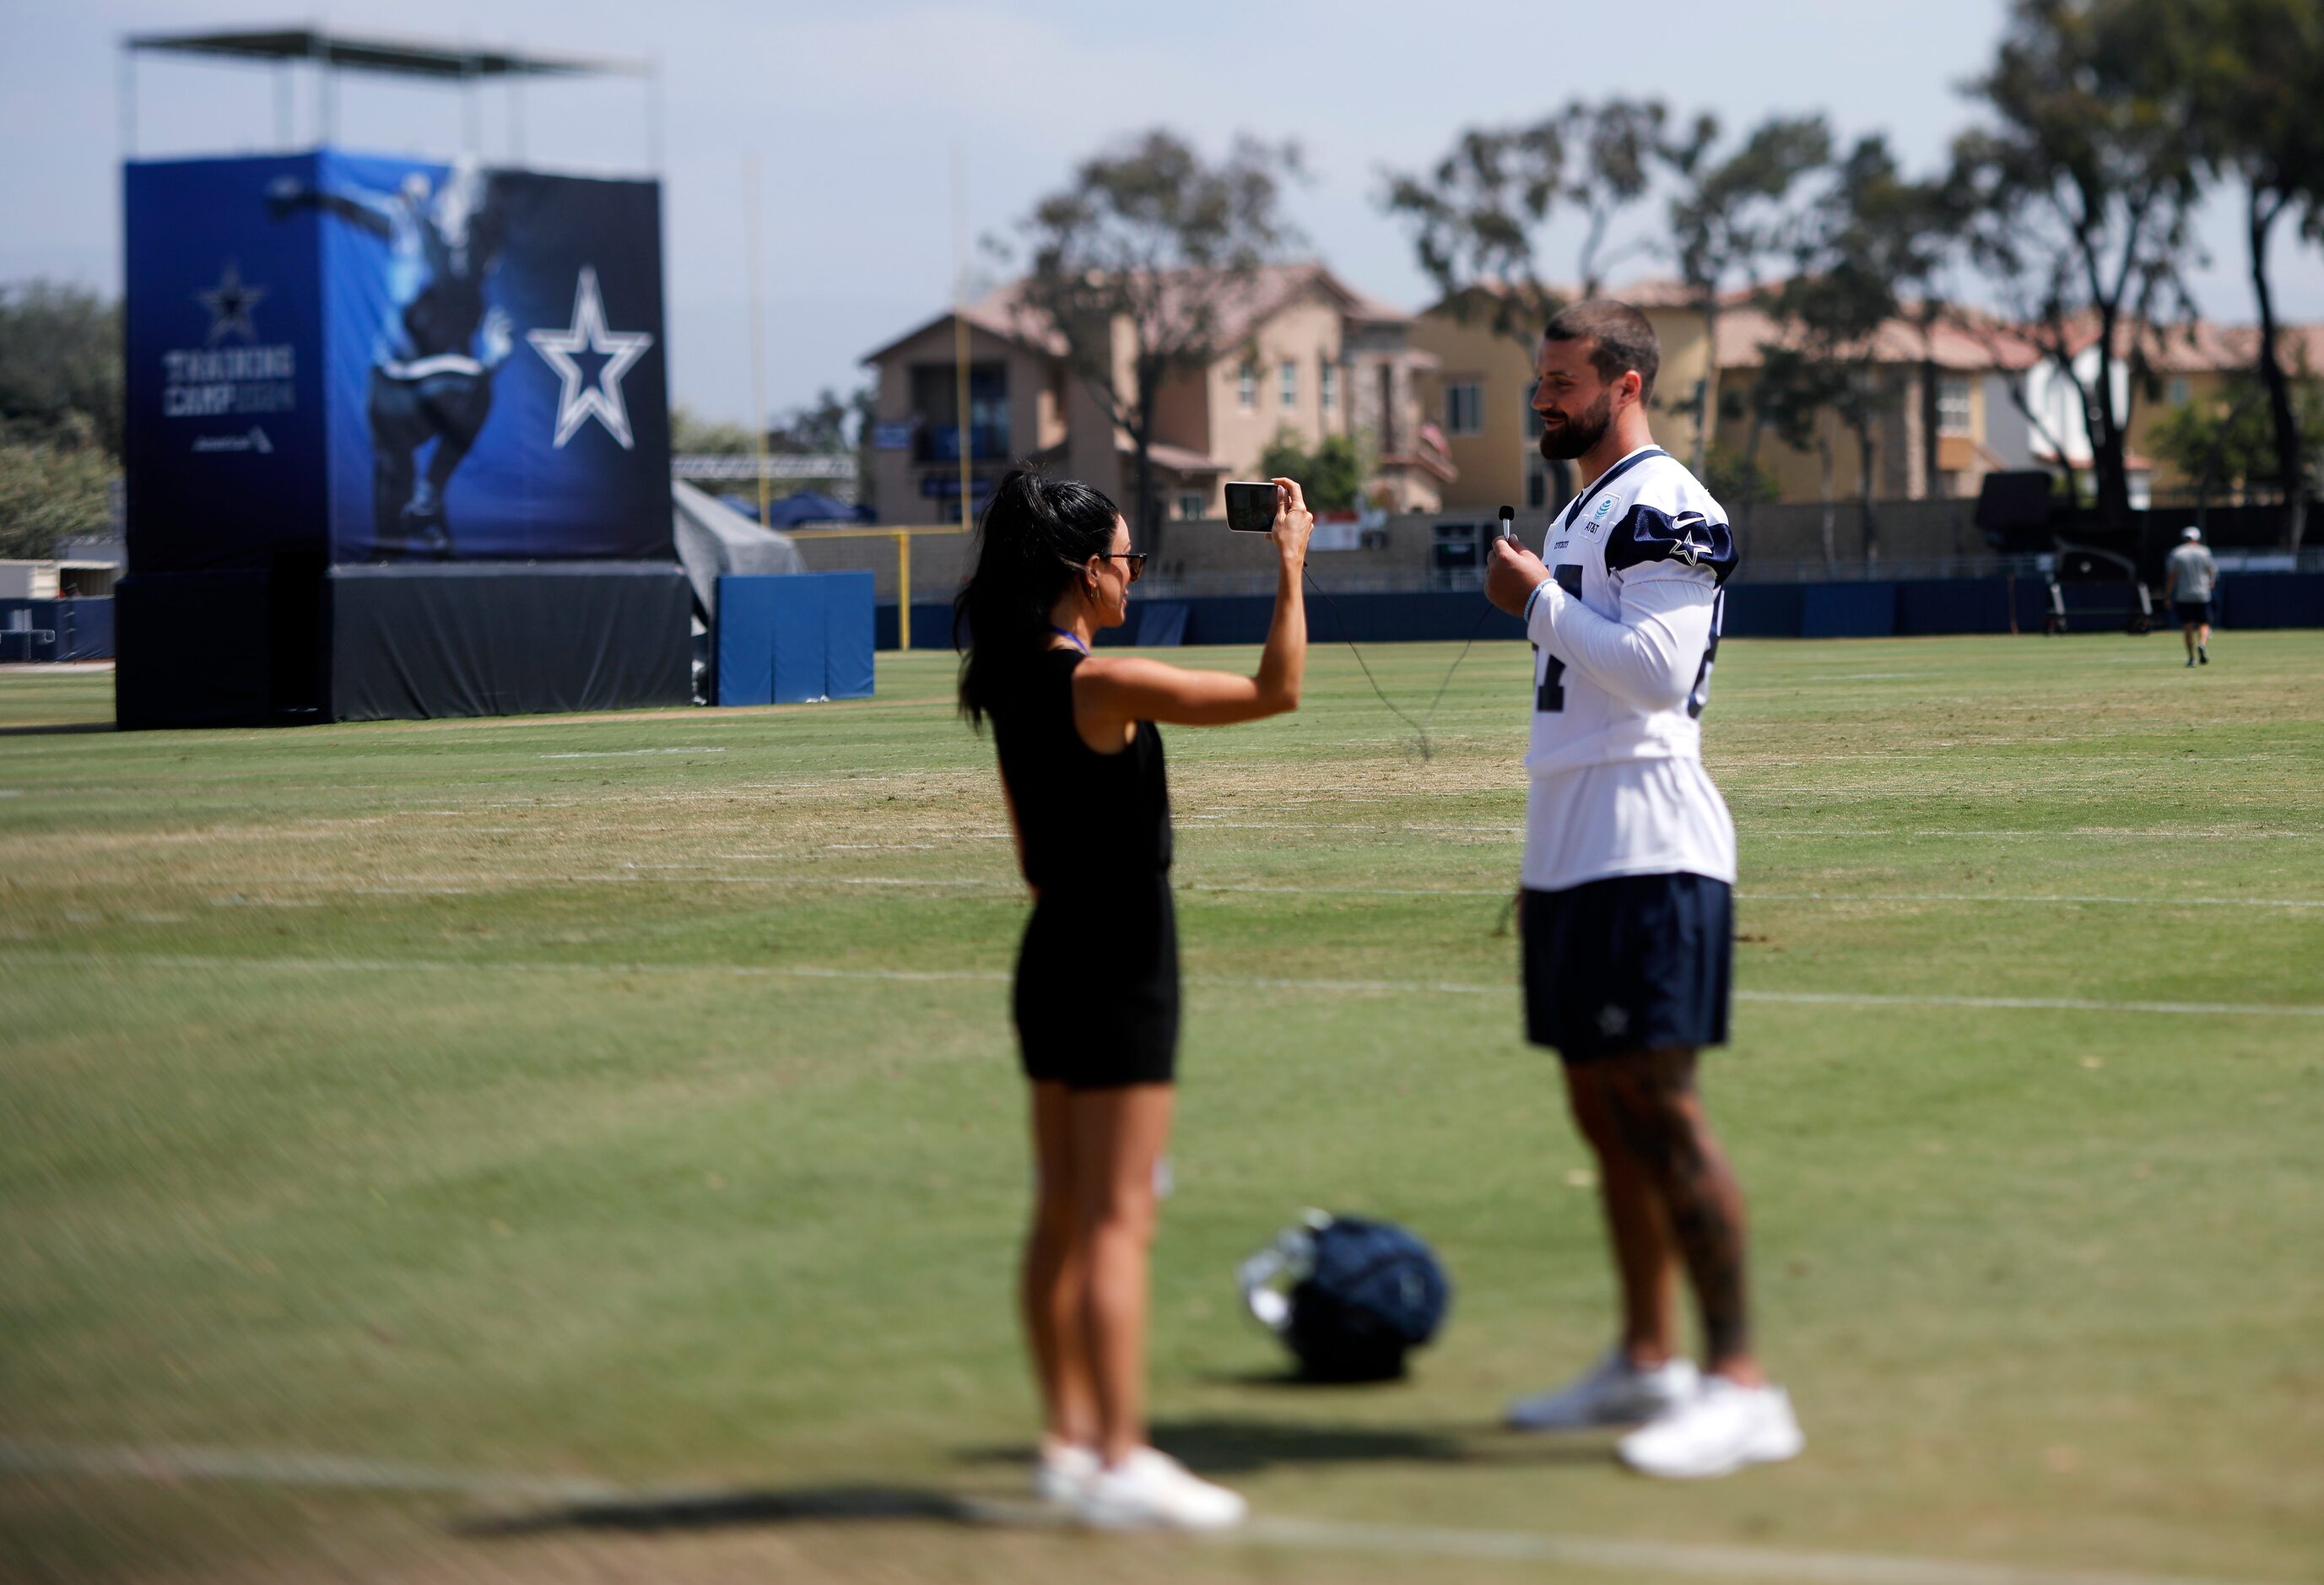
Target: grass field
[630,1098]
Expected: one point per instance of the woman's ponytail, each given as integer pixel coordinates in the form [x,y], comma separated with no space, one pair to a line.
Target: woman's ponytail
[1035,538]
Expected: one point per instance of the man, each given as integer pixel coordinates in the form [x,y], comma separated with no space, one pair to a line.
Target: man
[439,346]
[2187,581]
[1629,868]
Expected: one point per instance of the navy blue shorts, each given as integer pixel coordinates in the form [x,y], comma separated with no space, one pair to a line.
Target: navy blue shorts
[2193,612]
[1633,962]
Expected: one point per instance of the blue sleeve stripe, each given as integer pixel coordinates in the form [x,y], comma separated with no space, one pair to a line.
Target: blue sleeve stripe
[1647,534]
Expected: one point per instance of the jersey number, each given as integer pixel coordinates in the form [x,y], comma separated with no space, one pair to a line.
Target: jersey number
[1550,697]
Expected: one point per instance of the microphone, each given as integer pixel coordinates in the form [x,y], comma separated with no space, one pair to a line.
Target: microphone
[1509,522]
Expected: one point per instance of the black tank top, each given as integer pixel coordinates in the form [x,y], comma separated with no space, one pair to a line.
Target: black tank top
[1086,817]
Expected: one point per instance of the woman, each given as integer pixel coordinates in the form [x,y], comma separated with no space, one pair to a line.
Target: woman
[1097,979]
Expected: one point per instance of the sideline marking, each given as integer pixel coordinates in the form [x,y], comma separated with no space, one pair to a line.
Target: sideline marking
[636,872]
[328,1472]
[1223,982]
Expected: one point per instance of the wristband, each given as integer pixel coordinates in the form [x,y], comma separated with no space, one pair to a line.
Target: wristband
[1538,588]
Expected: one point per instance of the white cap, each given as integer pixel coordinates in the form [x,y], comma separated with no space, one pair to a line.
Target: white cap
[2191,534]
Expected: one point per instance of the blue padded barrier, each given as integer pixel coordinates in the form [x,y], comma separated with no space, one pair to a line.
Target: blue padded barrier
[847,626]
[784,639]
[1915,608]
[2260,600]
[1848,610]
[1762,610]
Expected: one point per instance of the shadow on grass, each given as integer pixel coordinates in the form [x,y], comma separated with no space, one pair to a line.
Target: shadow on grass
[719,1510]
[58,729]
[1221,1448]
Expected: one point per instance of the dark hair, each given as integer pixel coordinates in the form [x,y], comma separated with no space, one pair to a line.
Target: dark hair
[1036,534]
[1620,339]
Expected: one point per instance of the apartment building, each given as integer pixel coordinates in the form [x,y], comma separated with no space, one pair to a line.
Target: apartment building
[1999,405]
[1480,393]
[1305,352]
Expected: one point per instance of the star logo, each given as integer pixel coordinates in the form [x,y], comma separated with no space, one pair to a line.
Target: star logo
[229,303]
[1612,1020]
[580,400]
[1687,550]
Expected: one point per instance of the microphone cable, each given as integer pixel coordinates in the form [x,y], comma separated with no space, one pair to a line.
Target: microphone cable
[1419,728]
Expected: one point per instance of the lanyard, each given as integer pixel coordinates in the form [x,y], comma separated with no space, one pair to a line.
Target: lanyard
[1073,637]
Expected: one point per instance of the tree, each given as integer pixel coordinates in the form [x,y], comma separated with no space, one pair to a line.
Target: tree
[58,487]
[1331,476]
[1138,265]
[61,365]
[61,416]
[1869,233]
[2080,187]
[1730,217]
[692,435]
[2229,442]
[2250,72]
[1477,216]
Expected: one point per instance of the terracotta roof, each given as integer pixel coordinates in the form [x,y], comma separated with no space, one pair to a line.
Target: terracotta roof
[1246,306]
[1178,459]
[1963,340]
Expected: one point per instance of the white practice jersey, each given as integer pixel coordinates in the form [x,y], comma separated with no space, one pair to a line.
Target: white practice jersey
[1624,634]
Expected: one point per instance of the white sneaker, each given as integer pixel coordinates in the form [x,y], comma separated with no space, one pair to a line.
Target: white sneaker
[1151,1490]
[1723,1427]
[1612,1392]
[1062,1470]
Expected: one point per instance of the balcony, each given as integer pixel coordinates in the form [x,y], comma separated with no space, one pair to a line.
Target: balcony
[987,442]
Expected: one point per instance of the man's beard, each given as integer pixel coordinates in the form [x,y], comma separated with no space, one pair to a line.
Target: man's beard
[1576,437]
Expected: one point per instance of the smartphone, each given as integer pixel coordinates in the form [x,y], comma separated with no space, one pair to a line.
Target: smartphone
[1250,508]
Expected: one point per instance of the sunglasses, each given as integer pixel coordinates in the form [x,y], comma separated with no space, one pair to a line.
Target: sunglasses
[1137,559]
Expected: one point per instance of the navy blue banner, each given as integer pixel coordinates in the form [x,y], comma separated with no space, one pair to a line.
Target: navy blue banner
[225,455]
[363,359]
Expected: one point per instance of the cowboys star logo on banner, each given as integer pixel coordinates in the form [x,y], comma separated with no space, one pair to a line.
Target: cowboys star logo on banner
[229,303]
[578,400]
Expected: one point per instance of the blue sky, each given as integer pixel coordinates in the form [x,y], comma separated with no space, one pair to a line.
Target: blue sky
[853,111]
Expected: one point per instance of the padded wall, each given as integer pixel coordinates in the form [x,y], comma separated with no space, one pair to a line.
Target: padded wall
[412,642]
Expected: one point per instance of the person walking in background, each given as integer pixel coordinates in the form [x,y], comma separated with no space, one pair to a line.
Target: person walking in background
[1627,905]
[2188,580]
[1096,996]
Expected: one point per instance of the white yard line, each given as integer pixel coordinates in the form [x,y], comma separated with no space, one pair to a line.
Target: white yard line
[334,1472]
[208,964]
[686,873]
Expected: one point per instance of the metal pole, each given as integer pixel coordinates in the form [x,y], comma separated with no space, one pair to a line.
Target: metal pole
[903,590]
[516,117]
[654,116]
[283,105]
[128,102]
[959,313]
[472,109]
[325,109]
[758,334]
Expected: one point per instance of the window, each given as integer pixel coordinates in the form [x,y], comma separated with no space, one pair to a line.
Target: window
[1536,485]
[2176,393]
[1464,408]
[1289,378]
[1327,386]
[935,401]
[1247,387]
[1952,407]
[1191,504]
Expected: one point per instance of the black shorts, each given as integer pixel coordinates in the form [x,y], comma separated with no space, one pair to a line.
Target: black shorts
[1633,962]
[2193,612]
[1097,987]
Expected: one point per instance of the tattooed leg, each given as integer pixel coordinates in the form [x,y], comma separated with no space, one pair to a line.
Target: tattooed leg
[1658,1115]
[1646,1259]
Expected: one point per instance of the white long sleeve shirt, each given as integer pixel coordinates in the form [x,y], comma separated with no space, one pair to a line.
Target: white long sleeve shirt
[1625,630]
